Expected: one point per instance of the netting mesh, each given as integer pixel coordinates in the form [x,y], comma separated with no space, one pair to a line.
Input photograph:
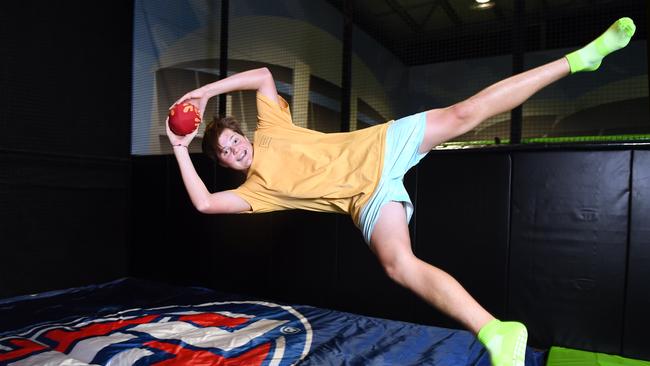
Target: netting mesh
[406,57]
[611,102]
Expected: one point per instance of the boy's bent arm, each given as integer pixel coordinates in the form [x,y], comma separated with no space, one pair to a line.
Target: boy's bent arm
[260,80]
[203,200]
[256,79]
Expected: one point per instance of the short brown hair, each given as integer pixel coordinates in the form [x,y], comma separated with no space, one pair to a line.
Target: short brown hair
[213,130]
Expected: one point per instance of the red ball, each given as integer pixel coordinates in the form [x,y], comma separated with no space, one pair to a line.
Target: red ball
[184,118]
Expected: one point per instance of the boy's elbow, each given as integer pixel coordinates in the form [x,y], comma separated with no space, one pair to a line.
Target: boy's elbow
[265,74]
[264,70]
[209,207]
[203,207]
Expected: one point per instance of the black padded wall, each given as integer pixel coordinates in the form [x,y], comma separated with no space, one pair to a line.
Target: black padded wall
[293,256]
[171,240]
[568,247]
[462,224]
[63,221]
[65,116]
[150,229]
[537,236]
[66,80]
[636,343]
[304,257]
[286,255]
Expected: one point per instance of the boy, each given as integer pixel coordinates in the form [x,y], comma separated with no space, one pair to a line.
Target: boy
[360,173]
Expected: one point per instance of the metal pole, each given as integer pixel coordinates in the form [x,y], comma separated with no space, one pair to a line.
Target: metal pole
[223,53]
[346,70]
[518,42]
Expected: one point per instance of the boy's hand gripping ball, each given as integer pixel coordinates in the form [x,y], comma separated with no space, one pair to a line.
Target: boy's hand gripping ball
[184,118]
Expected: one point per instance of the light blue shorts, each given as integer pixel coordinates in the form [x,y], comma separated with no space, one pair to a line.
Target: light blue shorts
[403,140]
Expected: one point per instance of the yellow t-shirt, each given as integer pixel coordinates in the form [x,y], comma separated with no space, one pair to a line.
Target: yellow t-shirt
[299,168]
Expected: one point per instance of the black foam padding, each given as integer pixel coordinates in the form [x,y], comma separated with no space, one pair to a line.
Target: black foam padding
[568,247]
[637,311]
[462,225]
[303,261]
[64,221]
[149,227]
[65,115]
[562,271]
[66,78]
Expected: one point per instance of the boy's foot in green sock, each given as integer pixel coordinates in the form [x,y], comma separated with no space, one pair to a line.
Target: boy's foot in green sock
[505,341]
[589,57]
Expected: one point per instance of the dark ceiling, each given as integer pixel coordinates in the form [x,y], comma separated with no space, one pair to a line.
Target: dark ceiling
[421,32]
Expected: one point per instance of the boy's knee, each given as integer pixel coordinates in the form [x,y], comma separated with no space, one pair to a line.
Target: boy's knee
[398,267]
[447,123]
[465,112]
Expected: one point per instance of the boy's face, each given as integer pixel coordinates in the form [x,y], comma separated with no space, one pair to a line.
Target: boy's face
[236,152]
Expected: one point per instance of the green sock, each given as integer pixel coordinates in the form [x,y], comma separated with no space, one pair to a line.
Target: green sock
[590,56]
[505,341]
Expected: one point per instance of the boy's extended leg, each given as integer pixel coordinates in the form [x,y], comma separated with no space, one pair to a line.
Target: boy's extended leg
[446,123]
[390,241]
